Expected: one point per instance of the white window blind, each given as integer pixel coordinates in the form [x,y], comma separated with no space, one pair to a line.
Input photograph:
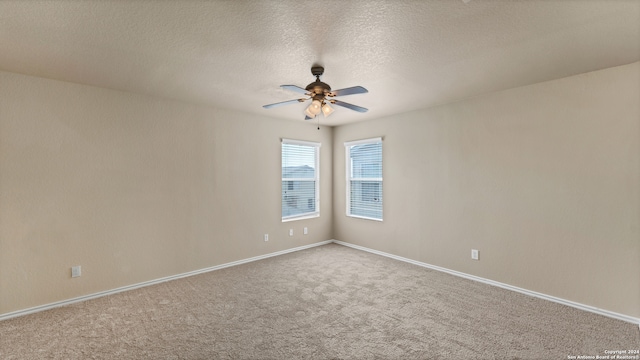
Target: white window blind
[300,179]
[364,178]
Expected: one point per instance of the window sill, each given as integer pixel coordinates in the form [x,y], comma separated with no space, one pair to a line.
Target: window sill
[303,217]
[364,218]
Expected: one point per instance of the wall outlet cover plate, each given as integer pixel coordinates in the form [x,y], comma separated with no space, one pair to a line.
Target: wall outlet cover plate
[76,271]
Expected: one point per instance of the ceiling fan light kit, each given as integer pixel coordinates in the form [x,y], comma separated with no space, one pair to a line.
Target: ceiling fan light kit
[321,96]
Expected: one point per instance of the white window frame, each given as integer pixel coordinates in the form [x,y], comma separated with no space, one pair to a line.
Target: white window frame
[347,146]
[315,213]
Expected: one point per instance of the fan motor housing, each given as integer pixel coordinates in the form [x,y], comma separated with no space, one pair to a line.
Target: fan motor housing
[318,87]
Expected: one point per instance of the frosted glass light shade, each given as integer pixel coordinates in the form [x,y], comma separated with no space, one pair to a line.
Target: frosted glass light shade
[327,110]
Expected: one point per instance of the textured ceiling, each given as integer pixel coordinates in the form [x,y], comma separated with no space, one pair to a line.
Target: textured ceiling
[235,54]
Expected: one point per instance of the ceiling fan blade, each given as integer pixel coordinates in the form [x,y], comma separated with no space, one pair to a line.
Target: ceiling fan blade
[283,103]
[349,106]
[349,91]
[308,118]
[294,88]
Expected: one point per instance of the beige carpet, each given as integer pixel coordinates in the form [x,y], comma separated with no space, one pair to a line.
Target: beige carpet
[328,302]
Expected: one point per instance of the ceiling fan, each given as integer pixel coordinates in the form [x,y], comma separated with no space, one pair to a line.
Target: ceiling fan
[321,96]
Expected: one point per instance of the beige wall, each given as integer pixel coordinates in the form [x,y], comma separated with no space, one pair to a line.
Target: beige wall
[134,188]
[544,180]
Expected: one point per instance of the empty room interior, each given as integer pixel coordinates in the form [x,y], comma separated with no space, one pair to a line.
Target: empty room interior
[304,179]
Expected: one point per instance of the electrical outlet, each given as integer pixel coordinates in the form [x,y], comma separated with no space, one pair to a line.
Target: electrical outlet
[305,231]
[76,271]
[290,232]
[475,254]
[266,237]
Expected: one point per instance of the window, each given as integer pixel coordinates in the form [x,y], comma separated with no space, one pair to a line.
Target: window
[300,179]
[364,178]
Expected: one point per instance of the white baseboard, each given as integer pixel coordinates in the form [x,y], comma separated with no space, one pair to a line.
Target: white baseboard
[576,305]
[153,282]
[580,306]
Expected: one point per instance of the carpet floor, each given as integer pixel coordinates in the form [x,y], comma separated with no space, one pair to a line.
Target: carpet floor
[327,302]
